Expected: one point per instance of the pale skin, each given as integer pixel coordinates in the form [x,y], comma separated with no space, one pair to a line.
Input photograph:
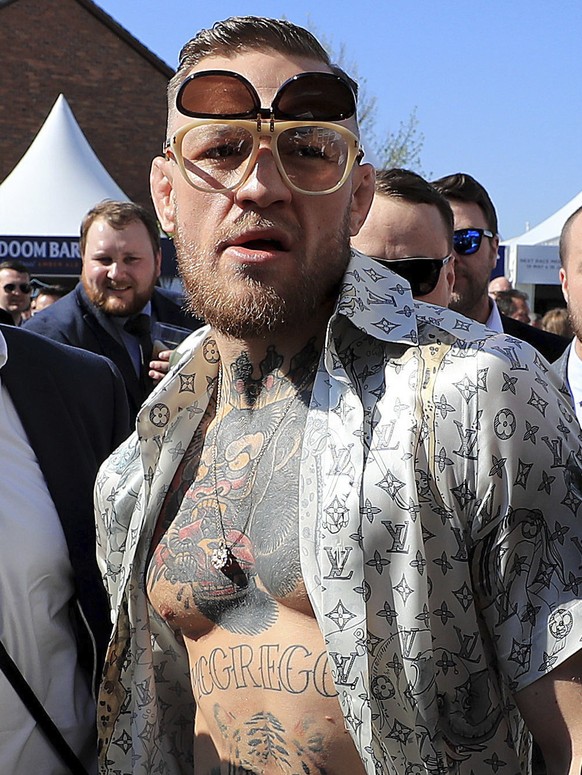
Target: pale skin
[249,629]
[285,700]
[396,228]
[571,279]
[260,675]
[499,284]
[120,268]
[14,302]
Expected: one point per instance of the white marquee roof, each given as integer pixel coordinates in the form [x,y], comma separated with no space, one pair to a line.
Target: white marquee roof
[57,180]
[548,232]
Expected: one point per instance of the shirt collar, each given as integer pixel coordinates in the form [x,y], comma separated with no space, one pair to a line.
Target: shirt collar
[494,319]
[377,301]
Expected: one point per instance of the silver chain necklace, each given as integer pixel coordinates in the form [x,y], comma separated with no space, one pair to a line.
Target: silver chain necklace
[222,555]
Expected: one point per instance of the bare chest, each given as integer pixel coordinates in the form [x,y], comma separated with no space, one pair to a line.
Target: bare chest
[235,494]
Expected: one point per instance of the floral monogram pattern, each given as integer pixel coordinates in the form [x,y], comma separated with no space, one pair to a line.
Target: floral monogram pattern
[439,499]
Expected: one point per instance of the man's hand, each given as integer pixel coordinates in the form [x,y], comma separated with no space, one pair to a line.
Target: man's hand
[551,708]
[160,367]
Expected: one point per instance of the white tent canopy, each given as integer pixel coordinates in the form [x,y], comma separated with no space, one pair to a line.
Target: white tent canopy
[57,180]
[548,232]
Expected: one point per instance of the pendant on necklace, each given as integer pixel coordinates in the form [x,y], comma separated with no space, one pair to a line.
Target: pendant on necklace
[220,556]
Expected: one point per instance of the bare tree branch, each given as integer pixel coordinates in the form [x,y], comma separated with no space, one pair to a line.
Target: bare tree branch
[400,148]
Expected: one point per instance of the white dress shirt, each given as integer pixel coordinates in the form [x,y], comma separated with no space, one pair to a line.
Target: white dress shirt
[36,587]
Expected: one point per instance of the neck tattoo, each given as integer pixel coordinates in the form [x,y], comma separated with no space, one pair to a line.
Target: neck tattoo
[222,556]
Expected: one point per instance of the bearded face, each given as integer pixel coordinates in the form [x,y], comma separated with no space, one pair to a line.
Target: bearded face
[241,296]
[120,268]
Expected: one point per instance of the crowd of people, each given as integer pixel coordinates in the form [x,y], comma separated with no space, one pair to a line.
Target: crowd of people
[334,531]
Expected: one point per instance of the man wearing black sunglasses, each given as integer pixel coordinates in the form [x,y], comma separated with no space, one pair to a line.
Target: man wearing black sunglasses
[410,229]
[333,533]
[475,246]
[15,289]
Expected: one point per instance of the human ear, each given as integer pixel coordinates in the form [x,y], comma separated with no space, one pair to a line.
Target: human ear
[494,251]
[363,181]
[161,187]
[450,274]
[564,283]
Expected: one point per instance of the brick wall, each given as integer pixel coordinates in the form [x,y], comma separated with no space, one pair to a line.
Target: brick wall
[115,89]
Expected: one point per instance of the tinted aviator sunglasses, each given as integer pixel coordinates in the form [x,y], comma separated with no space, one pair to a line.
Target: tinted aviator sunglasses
[217,150]
[468,241]
[23,287]
[304,97]
[422,273]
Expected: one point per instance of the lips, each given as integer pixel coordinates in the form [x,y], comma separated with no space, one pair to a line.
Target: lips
[260,240]
[261,245]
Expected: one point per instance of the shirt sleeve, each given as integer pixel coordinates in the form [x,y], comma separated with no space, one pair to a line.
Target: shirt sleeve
[526,557]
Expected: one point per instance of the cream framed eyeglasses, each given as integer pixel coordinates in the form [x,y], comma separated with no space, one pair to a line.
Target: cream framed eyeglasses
[218,149]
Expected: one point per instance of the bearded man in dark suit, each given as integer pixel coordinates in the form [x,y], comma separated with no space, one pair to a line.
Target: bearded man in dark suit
[111,310]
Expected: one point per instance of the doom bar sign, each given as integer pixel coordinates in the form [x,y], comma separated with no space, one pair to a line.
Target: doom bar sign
[43,255]
[61,256]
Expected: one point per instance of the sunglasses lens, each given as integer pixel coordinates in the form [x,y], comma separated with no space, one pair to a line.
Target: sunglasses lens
[215,155]
[22,287]
[422,274]
[216,94]
[307,96]
[314,158]
[467,241]
[315,97]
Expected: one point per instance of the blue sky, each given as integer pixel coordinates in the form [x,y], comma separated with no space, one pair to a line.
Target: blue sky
[496,84]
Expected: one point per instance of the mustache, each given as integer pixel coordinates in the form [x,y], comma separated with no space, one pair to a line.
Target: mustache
[249,221]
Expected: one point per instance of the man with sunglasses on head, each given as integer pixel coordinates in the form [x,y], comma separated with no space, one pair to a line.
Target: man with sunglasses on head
[410,228]
[475,246]
[326,544]
[15,290]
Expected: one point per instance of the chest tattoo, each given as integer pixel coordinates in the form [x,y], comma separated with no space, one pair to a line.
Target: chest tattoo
[236,487]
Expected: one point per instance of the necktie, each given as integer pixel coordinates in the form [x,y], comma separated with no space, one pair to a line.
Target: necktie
[140,327]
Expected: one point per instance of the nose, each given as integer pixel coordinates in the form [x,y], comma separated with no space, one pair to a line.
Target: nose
[264,184]
[115,269]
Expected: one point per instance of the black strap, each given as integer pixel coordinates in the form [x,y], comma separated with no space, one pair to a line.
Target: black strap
[39,714]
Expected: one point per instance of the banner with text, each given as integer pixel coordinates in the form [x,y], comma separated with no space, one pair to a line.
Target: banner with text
[43,255]
[538,264]
[61,255]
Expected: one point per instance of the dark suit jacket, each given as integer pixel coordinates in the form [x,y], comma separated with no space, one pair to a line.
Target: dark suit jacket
[73,407]
[549,345]
[74,320]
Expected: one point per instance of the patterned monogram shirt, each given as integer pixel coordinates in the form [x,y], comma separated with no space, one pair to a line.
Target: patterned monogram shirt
[439,498]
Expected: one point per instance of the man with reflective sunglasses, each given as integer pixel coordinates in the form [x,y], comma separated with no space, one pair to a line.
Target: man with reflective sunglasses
[410,228]
[327,534]
[475,246]
[15,289]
